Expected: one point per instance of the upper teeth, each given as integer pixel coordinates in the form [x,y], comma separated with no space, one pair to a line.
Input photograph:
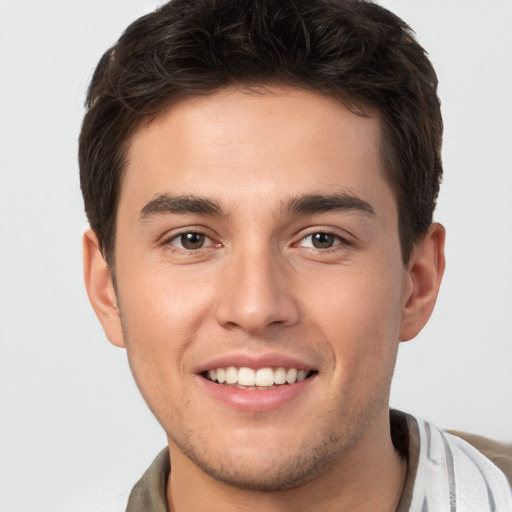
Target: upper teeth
[263,377]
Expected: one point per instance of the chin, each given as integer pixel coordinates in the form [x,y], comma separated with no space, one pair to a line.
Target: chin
[269,475]
[268,466]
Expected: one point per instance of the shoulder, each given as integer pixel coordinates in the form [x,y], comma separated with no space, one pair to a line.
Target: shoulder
[455,471]
[149,493]
[499,453]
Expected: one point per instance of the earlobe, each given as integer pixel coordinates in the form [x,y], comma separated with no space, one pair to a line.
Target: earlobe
[425,271]
[100,289]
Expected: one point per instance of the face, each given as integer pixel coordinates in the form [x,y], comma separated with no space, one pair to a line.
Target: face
[260,282]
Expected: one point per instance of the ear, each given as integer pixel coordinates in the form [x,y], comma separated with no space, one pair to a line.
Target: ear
[424,273]
[100,289]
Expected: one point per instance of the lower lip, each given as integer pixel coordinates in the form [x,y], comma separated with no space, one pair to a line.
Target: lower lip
[252,400]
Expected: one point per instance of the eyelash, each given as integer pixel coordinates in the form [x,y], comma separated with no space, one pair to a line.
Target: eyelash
[169,242]
[341,241]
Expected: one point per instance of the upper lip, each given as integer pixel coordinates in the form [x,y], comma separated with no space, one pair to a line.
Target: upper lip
[255,361]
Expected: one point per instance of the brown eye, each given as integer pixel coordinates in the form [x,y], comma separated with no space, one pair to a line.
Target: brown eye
[191,241]
[323,240]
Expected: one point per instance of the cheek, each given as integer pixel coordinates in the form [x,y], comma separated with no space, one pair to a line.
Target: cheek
[161,318]
[359,313]
[166,304]
[162,315]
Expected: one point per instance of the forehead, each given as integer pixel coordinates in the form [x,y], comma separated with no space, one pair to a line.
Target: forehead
[240,144]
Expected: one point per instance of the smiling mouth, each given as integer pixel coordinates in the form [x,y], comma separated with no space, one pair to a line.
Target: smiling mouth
[260,379]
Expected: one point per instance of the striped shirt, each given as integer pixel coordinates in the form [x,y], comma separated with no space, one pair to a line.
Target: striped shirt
[447,474]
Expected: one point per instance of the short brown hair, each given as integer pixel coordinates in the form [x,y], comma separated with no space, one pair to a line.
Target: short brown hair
[353,49]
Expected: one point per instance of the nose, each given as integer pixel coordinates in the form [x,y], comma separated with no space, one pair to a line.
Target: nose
[256,293]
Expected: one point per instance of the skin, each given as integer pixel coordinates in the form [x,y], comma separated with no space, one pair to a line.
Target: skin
[258,286]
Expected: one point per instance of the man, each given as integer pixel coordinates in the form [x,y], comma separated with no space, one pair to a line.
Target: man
[260,178]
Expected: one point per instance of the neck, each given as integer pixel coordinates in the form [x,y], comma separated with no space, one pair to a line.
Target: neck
[368,477]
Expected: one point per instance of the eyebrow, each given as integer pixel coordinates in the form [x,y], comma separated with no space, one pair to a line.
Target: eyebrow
[320,203]
[312,203]
[165,203]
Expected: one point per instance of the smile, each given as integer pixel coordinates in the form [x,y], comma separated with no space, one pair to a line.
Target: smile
[262,378]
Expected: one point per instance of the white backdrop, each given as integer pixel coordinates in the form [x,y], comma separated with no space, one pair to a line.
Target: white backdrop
[74,432]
